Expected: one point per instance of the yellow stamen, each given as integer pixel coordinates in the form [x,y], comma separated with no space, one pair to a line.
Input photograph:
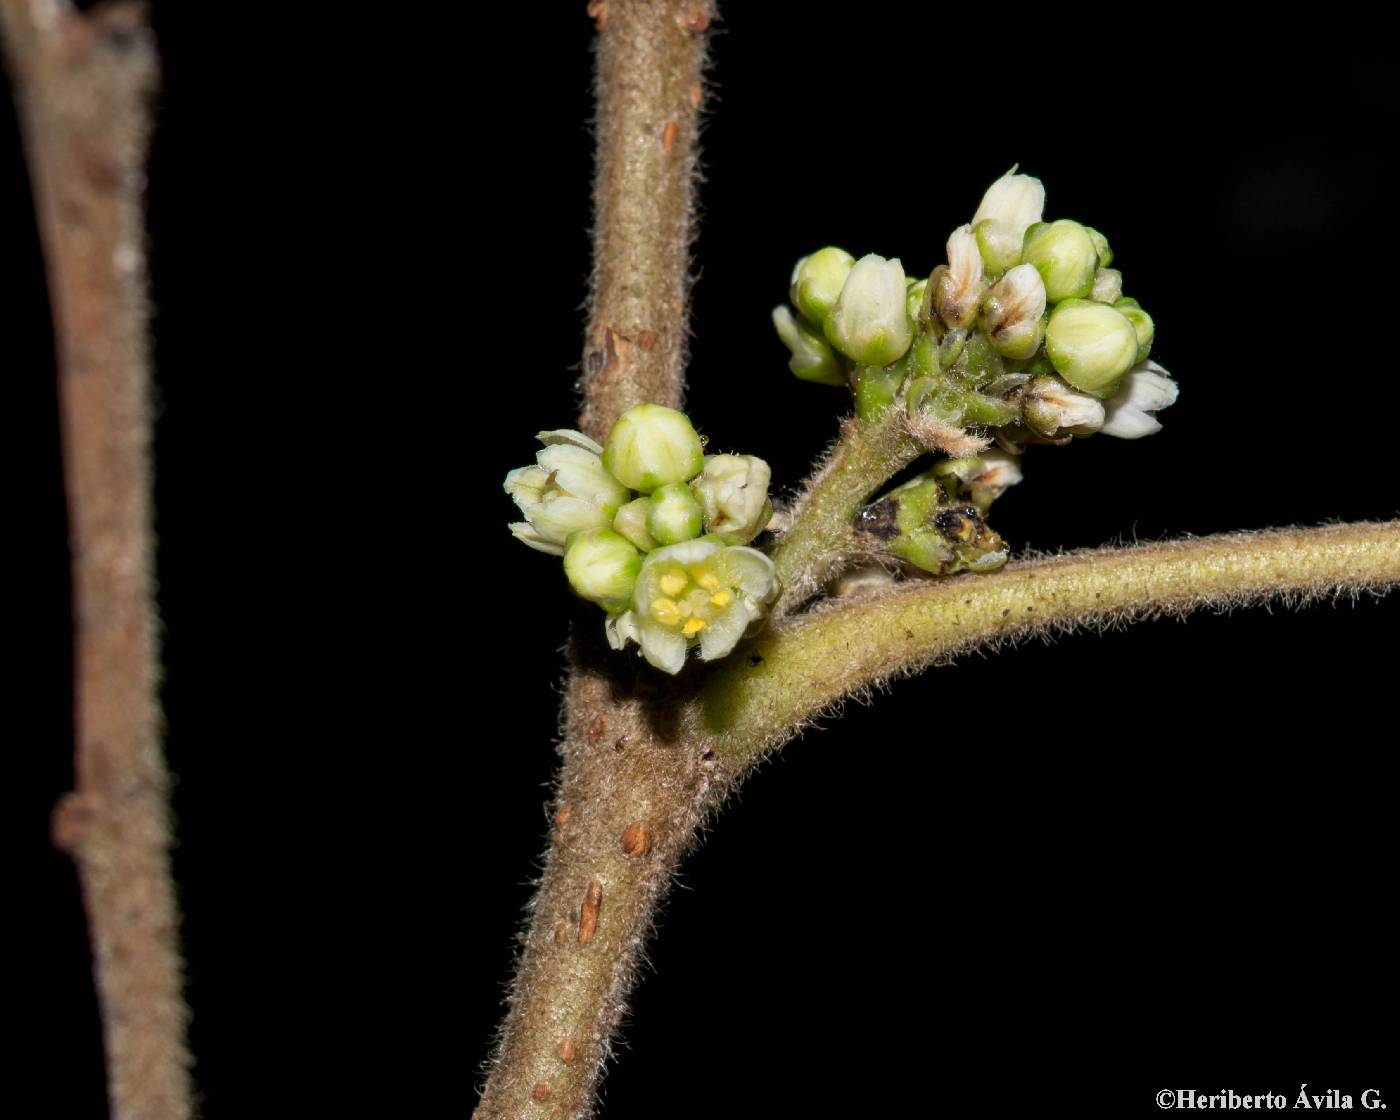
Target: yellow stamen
[720,599]
[666,610]
[707,580]
[673,583]
[693,626]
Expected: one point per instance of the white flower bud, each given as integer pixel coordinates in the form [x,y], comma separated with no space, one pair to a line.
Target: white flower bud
[602,567]
[1015,200]
[1011,205]
[1011,314]
[1146,389]
[733,490]
[1065,254]
[567,491]
[817,282]
[869,323]
[959,288]
[652,446]
[1108,285]
[1054,410]
[1091,345]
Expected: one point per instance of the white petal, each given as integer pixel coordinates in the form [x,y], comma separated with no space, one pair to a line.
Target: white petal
[1000,469]
[581,474]
[558,517]
[569,436]
[1127,422]
[752,572]
[723,632]
[662,647]
[1017,200]
[526,485]
[526,534]
[1148,387]
[621,629]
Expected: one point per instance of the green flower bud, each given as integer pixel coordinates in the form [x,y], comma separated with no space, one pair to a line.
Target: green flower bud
[941,398]
[1053,410]
[565,492]
[812,357]
[602,567]
[675,514]
[958,289]
[700,593]
[979,363]
[915,301]
[999,244]
[869,323]
[631,522]
[1142,324]
[1105,254]
[1011,205]
[1011,315]
[1064,253]
[817,282]
[916,522]
[733,492]
[652,446]
[1108,285]
[1091,345]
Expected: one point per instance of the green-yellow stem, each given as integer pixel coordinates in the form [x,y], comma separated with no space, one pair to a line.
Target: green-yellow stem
[821,541]
[799,669]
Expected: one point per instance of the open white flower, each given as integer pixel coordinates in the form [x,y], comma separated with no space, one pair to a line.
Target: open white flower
[698,593]
[1147,388]
[567,491]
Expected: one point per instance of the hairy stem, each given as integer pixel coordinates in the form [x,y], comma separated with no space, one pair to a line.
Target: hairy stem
[801,668]
[821,539]
[633,787]
[650,57]
[84,84]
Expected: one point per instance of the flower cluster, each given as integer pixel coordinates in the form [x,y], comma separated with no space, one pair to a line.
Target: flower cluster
[654,531]
[1024,331]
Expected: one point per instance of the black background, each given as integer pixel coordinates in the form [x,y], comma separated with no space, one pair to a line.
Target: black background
[369,262]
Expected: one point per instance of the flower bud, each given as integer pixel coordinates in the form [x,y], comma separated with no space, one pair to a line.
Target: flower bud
[602,567]
[1012,312]
[1064,253]
[869,323]
[1014,200]
[631,522]
[675,514]
[733,492]
[652,446]
[1108,285]
[1146,389]
[1053,410]
[915,301]
[812,357]
[817,282]
[1105,254]
[983,478]
[875,389]
[1011,205]
[958,290]
[1091,345]
[1142,324]
[565,492]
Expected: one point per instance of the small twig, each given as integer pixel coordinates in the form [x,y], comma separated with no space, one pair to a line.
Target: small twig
[793,674]
[84,85]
